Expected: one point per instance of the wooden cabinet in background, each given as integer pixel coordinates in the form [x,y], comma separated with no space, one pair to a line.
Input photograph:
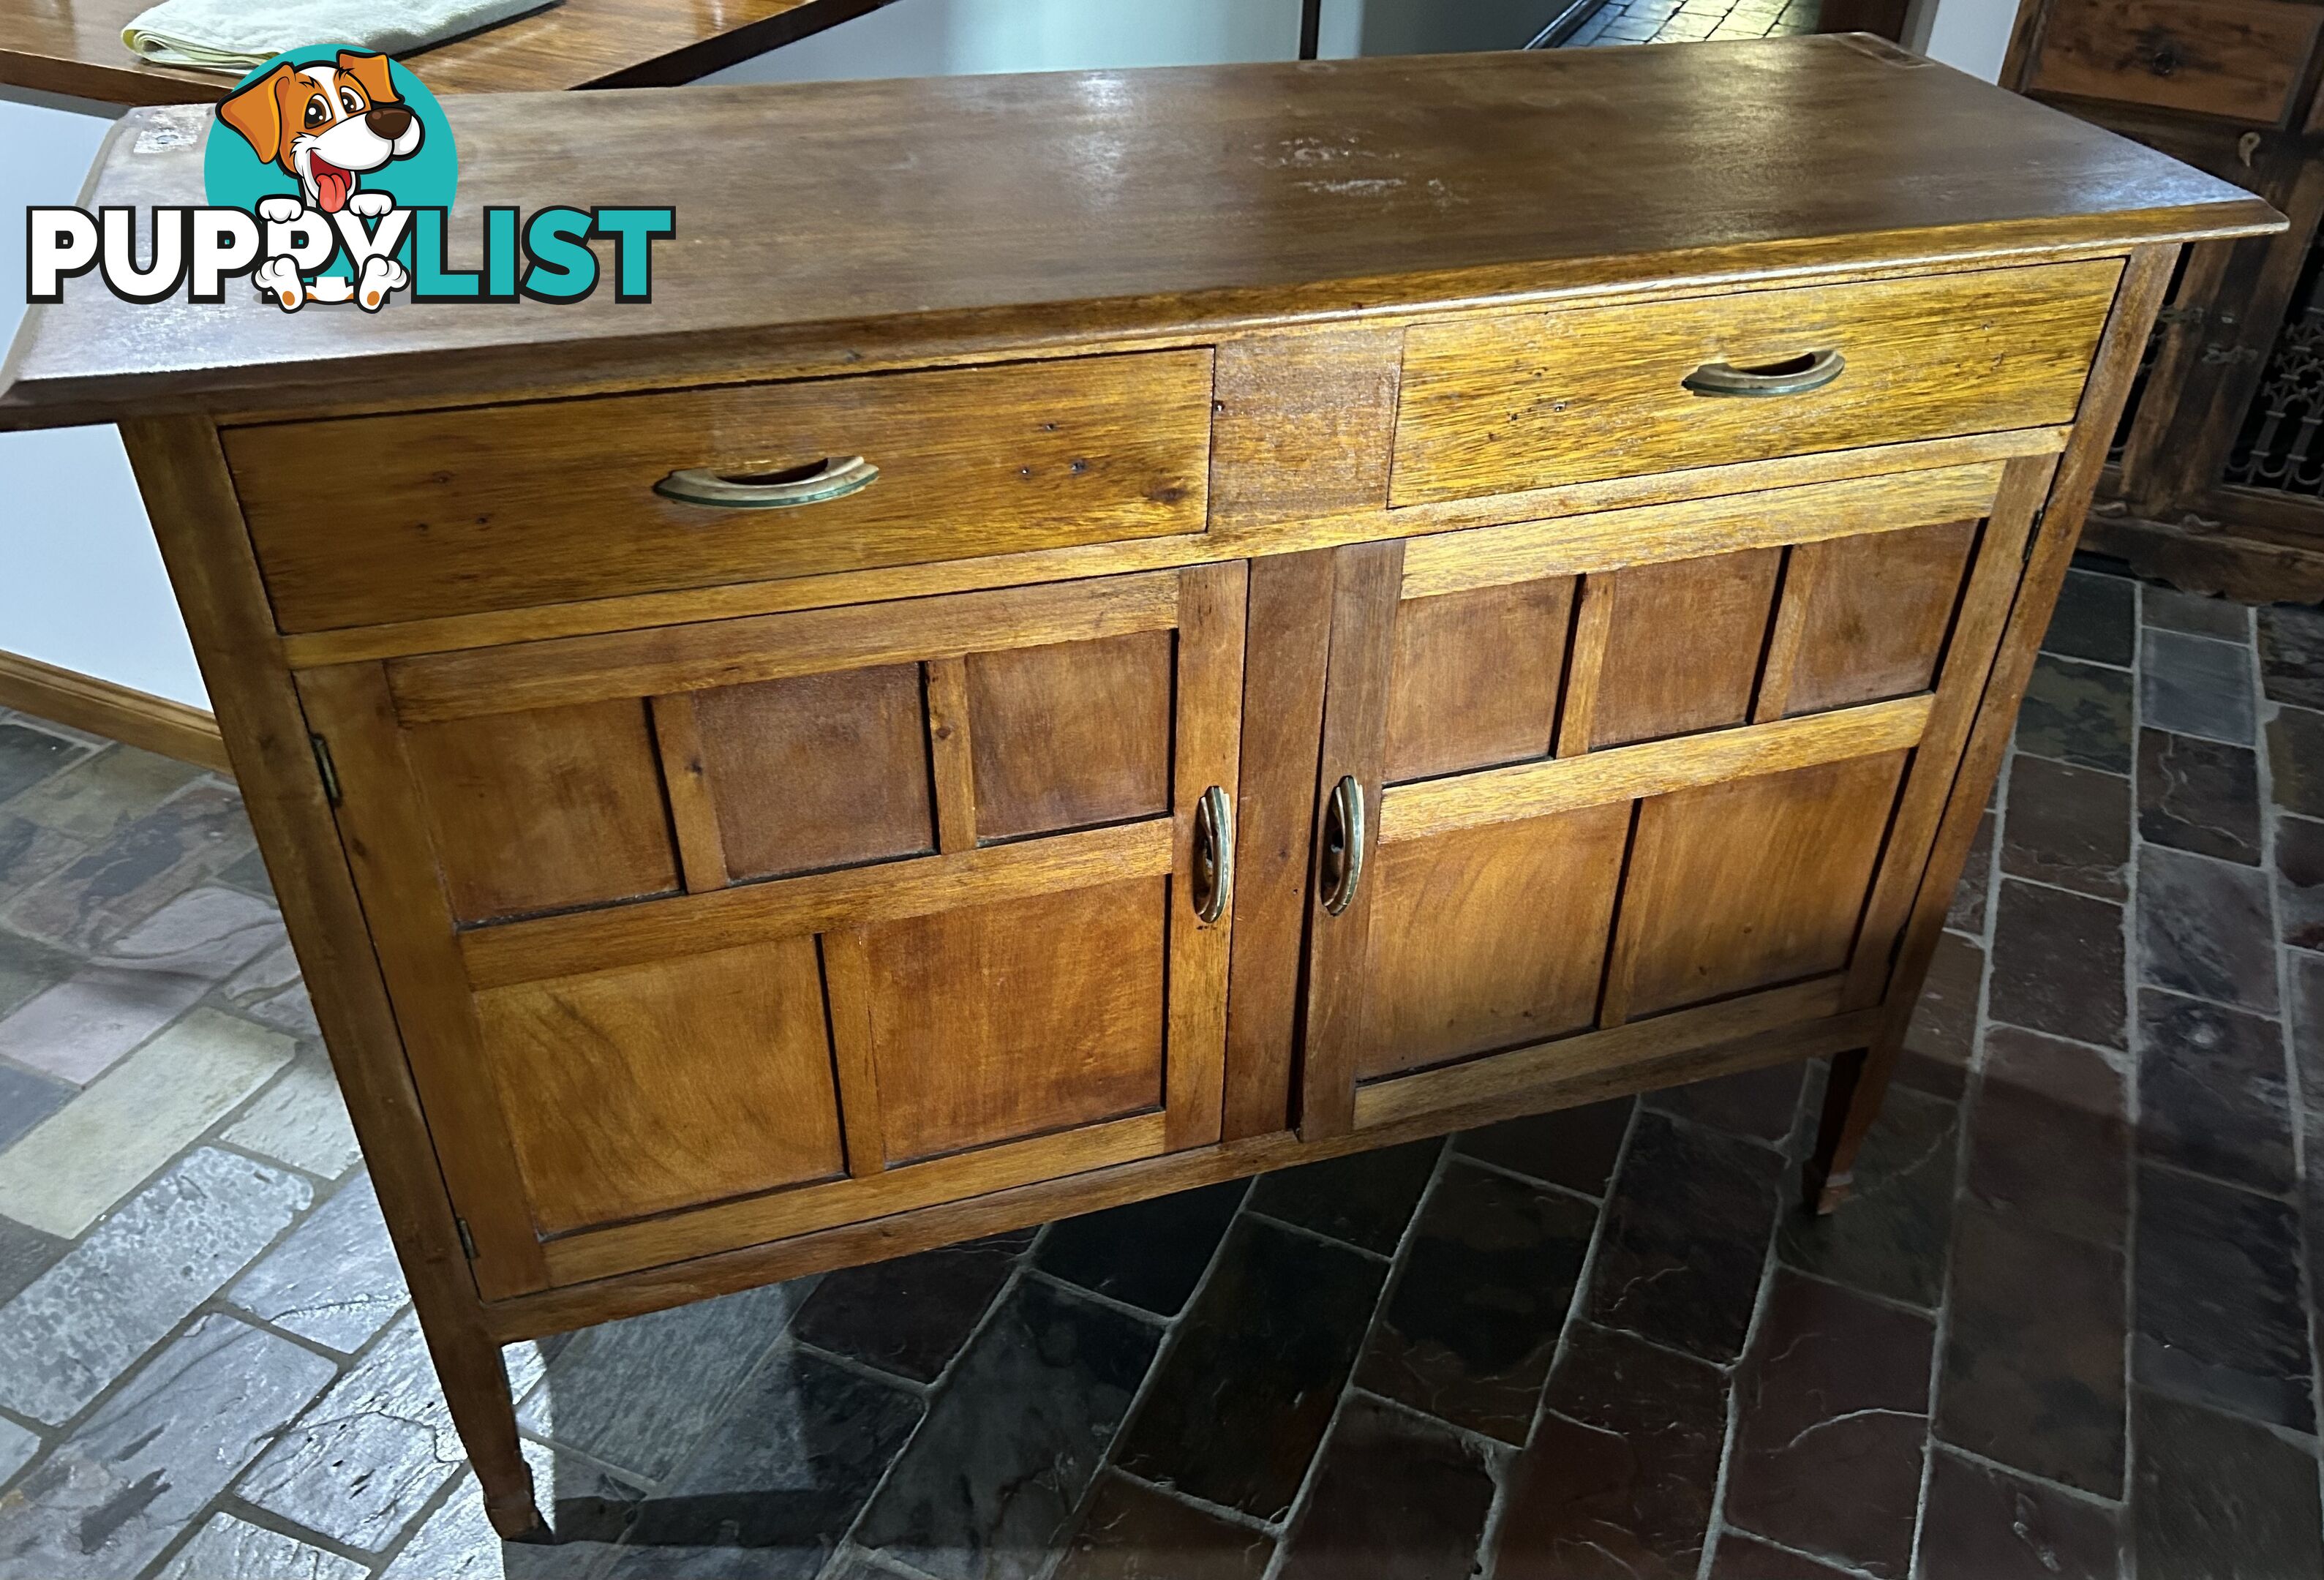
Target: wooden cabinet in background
[1060,659]
[2215,477]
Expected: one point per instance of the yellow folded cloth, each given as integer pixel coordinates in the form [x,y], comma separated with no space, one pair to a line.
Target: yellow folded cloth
[234,35]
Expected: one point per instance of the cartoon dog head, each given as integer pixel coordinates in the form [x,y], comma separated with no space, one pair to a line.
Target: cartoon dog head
[326,124]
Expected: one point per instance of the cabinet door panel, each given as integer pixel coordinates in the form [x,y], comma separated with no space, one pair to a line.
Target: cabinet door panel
[1749,883]
[997,1023]
[1683,648]
[1070,735]
[1485,938]
[547,809]
[1734,798]
[941,930]
[1874,612]
[1477,676]
[819,771]
[639,1090]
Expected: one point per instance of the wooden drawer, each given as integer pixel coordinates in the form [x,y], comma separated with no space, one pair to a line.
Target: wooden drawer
[2236,59]
[1500,405]
[360,521]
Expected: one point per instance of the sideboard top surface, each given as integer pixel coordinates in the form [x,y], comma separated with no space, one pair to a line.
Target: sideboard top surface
[821,223]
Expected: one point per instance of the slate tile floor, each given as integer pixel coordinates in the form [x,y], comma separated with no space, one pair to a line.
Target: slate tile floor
[1669,22]
[2066,1328]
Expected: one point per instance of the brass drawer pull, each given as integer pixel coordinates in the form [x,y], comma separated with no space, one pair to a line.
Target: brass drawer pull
[1213,884]
[1794,377]
[829,478]
[1342,867]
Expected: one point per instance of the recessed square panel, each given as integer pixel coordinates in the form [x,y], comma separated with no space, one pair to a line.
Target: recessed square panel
[1476,678]
[1683,650]
[546,809]
[1485,938]
[1752,883]
[652,1088]
[1071,735]
[1879,607]
[1013,1020]
[820,771]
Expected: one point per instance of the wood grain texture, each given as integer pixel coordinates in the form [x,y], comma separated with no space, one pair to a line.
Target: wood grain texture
[1024,1195]
[1873,614]
[818,771]
[991,1023]
[1302,424]
[1652,768]
[1585,664]
[651,1088]
[1489,938]
[1852,1099]
[546,809]
[1364,600]
[119,713]
[604,1253]
[952,762]
[1588,539]
[1476,678]
[1536,400]
[1068,734]
[847,993]
[1206,740]
[1682,646]
[1289,644]
[596,940]
[389,842]
[2241,59]
[1748,883]
[975,196]
[460,633]
[1967,663]
[685,780]
[434,513]
[772,647]
[181,469]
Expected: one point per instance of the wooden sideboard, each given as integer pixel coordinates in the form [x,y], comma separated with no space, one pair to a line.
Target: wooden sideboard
[1394,594]
[2216,476]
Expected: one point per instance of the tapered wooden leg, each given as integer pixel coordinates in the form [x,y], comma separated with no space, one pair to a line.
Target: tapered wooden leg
[476,1387]
[1851,1101]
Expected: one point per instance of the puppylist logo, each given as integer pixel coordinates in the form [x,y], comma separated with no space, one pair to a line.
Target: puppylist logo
[330,176]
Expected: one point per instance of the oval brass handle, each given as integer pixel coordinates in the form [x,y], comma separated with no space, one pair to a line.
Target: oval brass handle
[1794,377]
[1213,878]
[829,478]
[1342,867]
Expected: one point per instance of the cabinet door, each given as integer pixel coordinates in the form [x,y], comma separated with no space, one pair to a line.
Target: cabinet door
[711,934]
[1609,789]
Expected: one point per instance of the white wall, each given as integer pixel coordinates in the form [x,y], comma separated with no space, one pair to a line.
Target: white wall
[81,585]
[1969,35]
[947,38]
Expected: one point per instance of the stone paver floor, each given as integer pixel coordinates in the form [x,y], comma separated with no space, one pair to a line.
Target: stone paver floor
[2065,1327]
[1671,21]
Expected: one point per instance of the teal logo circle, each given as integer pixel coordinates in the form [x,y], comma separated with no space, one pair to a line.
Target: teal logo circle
[252,154]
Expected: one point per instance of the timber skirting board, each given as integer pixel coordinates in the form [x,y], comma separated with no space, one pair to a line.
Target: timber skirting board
[119,713]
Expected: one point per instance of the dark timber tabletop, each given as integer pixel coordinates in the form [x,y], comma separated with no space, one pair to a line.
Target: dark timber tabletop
[73,47]
[813,219]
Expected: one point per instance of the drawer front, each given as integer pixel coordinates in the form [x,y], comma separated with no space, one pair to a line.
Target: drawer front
[2236,59]
[369,519]
[1582,395]
[709,935]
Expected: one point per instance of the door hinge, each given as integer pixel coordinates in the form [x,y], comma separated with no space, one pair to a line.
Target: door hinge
[467,1240]
[325,768]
